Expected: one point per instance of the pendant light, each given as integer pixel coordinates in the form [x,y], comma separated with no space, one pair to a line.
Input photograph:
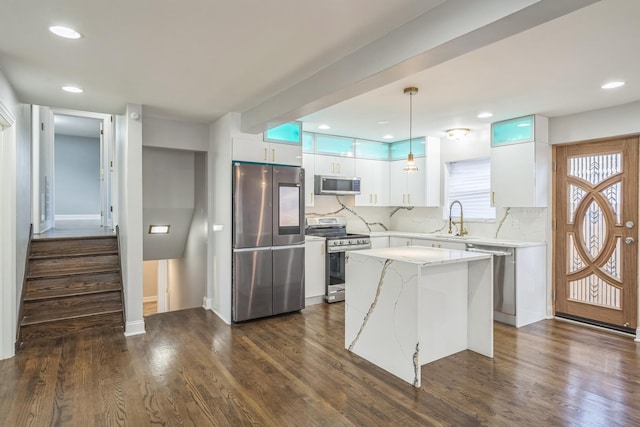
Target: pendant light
[411,164]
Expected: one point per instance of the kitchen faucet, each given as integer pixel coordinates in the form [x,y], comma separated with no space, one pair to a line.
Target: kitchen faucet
[462,231]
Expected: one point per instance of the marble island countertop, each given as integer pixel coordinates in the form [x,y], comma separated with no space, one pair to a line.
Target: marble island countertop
[423,255]
[464,239]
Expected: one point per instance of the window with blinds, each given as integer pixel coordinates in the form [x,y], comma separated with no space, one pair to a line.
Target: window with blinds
[469,182]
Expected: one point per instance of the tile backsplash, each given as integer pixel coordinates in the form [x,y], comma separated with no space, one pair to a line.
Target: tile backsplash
[527,224]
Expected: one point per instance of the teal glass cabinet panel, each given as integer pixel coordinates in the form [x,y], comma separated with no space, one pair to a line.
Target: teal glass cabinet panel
[513,131]
[307,142]
[334,145]
[288,133]
[372,150]
[400,150]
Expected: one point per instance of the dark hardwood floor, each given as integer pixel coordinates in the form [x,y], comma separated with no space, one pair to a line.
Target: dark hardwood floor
[192,369]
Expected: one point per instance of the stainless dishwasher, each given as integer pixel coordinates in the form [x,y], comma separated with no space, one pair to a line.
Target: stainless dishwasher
[504,280]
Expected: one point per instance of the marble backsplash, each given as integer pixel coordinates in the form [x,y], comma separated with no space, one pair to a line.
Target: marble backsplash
[526,224]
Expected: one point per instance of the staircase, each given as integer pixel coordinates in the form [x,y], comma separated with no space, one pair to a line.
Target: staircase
[73,285]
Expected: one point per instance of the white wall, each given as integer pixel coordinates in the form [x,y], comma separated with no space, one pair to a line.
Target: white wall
[166,133]
[129,180]
[150,279]
[187,280]
[77,172]
[23,192]
[15,207]
[219,242]
[602,123]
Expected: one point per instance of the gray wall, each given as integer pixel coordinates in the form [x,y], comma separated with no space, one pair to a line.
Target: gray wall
[168,198]
[188,275]
[77,169]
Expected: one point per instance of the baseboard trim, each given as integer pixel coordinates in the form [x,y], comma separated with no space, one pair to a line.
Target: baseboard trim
[207,303]
[134,328]
[77,217]
[150,299]
[314,300]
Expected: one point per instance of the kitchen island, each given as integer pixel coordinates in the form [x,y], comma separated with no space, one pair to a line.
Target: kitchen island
[408,306]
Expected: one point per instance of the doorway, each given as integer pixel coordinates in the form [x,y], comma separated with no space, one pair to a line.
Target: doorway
[73,150]
[596,231]
[77,173]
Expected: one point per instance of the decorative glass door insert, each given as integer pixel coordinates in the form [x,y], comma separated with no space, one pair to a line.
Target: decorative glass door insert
[596,217]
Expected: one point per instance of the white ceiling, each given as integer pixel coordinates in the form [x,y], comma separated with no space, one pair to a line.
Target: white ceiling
[201,61]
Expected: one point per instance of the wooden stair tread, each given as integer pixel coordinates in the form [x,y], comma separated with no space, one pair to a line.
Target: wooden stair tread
[76,272]
[49,293]
[74,313]
[73,255]
[73,326]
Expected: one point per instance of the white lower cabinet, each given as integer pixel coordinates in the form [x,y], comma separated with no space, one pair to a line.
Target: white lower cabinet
[314,271]
[395,242]
[459,246]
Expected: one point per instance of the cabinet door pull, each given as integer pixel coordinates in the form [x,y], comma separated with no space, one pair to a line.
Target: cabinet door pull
[338,164]
[493,199]
[273,155]
[333,168]
[266,154]
[322,249]
[376,200]
[409,198]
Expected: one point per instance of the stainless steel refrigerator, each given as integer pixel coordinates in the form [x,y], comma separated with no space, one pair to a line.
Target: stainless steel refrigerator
[268,240]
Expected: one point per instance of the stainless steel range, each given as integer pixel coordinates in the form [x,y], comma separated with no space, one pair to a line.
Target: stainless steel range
[334,229]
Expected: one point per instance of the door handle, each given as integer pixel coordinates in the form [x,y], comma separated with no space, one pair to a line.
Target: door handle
[629,240]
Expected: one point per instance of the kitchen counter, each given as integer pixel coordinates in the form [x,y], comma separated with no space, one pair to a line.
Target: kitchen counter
[450,238]
[413,305]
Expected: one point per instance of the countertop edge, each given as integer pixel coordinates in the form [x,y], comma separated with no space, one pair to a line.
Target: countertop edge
[479,240]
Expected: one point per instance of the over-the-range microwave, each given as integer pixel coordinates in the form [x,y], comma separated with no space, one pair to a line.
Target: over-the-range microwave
[336,185]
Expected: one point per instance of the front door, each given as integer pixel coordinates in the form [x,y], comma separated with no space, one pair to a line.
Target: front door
[595,239]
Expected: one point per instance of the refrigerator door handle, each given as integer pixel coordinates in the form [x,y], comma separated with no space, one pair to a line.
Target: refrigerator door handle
[296,246]
[261,248]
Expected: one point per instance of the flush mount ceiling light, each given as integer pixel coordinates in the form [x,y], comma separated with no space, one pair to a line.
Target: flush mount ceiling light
[66,32]
[383,122]
[324,127]
[72,89]
[158,229]
[387,136]
[457,133]
[411,164]
[485,115]
[612,85]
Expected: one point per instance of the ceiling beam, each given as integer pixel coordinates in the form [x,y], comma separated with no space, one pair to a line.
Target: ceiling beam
[449,30]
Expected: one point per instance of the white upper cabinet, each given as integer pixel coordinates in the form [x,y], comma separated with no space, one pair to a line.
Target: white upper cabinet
[407,189]
[309,172]
[281,145]
[520,158]
[334,165]
[372,167]
[334,155]
[374,184]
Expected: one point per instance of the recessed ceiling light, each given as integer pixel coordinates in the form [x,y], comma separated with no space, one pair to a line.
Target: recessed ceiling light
[387,136]
[324,127]
[158,229]
[72,89]
[66,32]
[383,122]
[485,115]
[612,85]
